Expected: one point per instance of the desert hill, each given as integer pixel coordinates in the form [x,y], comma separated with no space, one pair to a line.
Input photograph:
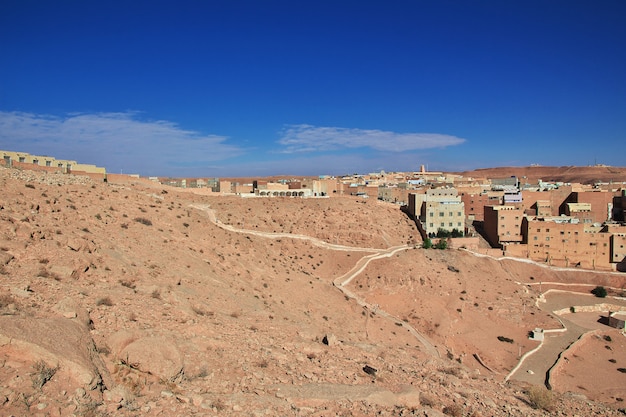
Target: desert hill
[567,174]
[132,299]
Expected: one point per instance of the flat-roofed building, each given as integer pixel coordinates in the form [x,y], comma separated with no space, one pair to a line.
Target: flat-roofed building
[503,224]
[438,209]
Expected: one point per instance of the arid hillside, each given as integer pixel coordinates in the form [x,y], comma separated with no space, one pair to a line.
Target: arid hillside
[131,299]
[568,174]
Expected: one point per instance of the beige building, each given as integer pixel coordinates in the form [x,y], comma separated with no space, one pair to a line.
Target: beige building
[566,241]
[503,224]
[49,164]
[438,209]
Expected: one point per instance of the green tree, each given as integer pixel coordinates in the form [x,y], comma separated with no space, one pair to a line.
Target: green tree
[427,243]
[442,244]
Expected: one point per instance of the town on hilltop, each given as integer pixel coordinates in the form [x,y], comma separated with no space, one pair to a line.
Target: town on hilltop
[560,223]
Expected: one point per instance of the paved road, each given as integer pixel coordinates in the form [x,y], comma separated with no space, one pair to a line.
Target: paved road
[343,280]
[556,342]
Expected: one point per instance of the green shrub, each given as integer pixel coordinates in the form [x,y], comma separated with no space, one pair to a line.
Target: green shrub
[442,244]
[599,291]
[427,243]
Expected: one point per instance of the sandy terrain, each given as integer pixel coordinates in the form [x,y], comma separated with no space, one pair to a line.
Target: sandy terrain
[127,299]
[568,174]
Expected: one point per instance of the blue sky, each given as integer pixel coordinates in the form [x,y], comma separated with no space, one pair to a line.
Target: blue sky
[255,88]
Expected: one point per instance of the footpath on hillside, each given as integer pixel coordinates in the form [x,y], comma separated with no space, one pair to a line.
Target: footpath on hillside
[346,278]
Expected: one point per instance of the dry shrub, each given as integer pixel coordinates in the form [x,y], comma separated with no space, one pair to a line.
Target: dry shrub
[104,301]
[454,410]
[540,398]
[143,221]
[42,374]
[427,400]
[6,300]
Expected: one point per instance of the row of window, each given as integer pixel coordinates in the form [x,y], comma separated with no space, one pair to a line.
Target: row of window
[441,214]
[442,224]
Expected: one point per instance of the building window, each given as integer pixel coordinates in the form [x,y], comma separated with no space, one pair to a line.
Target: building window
[459,214]
[431,225]
[443,224]
[450,224]
[547,238]
[534,237]
[22,159]
[35,162]
[547,230]
[441,214]
[48,163]
[459,224]
[432,214]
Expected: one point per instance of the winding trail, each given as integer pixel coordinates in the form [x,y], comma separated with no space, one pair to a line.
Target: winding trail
[344,279]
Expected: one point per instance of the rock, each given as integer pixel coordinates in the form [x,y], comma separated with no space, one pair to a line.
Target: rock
[408,397]
[5,258]
[330,340]
[154,355]
[59,342]
[369,370]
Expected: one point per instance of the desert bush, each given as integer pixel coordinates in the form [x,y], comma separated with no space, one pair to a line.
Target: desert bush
[104,301]
[540,398]
[427,243]
[6,300]
[128,284]
[599,291]
[427,400]
[454,410]
[29,185]
[442,244]
[505,339]
[143,221]
[42,374]
[156,294]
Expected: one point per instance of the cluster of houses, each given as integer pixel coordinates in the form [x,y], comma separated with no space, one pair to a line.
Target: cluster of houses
[562,224]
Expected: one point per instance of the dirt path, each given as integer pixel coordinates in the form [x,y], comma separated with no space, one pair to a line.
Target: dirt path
[346,278]
[535,366]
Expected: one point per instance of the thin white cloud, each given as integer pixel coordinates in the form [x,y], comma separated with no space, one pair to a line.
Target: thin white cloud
[307,138]
[114,140]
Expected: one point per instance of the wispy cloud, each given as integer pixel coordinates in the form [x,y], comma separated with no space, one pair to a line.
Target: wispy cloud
[307,138]
[116,141]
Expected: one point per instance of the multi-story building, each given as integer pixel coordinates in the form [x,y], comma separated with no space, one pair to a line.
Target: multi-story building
[503,224]
[600,203]
[566,241]
[438,209]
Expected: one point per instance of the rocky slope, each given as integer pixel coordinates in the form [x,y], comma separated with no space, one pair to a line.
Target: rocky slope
[128,300]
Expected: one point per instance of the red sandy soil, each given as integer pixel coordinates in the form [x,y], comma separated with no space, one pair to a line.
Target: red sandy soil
[600,356]
[129,300]
[568,174]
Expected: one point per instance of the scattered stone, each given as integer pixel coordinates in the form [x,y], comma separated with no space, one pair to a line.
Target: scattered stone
[369,370]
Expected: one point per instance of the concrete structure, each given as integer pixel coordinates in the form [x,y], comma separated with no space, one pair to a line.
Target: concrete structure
[49,164]
[474,203]
[600,203]
[438,209]
[581,211]
[565,241]
[617,320]
[503,224]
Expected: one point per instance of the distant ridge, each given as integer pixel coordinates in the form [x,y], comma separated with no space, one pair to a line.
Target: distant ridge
[581,174]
